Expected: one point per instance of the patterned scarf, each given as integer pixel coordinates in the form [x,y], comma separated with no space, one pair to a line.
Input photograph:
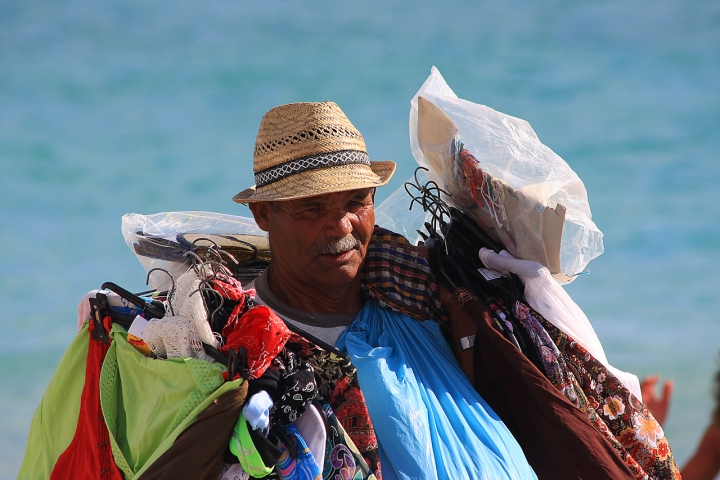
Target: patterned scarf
[398,277]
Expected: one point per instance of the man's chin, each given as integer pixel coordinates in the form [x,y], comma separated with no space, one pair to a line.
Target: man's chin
[340,269]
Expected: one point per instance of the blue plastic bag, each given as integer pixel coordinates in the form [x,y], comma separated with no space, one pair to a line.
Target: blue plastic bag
[430,422]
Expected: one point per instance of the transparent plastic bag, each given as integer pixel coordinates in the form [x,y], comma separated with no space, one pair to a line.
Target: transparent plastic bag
[519,190]
[157,239]
[162,239]
[394,212]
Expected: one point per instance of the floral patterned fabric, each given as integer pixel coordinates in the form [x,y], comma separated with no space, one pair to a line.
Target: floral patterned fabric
[553,363]
[611,408]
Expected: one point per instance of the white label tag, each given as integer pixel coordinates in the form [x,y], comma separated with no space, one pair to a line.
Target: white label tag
[137,327]
[490,274]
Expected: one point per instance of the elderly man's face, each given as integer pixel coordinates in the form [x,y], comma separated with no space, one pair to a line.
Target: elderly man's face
[321,240]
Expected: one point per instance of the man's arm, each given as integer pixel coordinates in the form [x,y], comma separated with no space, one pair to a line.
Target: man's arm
[461,325]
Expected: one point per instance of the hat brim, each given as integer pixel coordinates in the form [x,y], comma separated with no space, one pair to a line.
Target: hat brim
[320,181]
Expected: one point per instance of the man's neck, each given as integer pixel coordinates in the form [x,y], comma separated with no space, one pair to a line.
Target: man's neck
[307,298]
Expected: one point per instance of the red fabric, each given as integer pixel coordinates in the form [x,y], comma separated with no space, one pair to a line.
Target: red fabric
[89,455]
[232,289]
[349,406]
[262,333]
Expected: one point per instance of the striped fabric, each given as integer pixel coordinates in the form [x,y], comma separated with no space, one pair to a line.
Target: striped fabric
[398,277]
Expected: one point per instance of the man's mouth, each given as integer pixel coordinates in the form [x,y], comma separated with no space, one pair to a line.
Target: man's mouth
[340,257]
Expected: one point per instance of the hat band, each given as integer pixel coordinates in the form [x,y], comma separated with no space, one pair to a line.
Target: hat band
[332,159]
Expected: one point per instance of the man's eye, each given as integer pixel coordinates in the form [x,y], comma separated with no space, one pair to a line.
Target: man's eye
[311,209]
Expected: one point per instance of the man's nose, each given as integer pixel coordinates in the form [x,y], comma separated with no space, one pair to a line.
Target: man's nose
[339,222]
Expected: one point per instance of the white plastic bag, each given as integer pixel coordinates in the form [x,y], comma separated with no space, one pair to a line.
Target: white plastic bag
[532,201]
[394,212]
[153,238]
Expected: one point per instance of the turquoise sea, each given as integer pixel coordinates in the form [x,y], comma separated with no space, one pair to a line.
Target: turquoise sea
[131,106]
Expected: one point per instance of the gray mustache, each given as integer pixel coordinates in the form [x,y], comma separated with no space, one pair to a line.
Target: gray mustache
[338,246]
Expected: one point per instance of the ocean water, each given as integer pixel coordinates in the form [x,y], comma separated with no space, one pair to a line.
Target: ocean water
[114,107]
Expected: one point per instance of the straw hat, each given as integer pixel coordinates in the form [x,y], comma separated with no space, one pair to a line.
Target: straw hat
[308,149]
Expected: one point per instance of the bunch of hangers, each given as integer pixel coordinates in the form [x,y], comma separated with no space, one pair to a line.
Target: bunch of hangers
[454,239]
[212,265]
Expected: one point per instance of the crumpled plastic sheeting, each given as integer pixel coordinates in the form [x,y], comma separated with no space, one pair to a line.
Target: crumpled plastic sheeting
[392,214]
[508,149]
[167,225]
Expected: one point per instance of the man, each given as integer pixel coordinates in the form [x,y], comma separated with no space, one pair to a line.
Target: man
[314,195]
[338,280]
[344,282]
[319,245]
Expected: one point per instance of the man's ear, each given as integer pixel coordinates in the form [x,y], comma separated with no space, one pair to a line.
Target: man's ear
[261,212]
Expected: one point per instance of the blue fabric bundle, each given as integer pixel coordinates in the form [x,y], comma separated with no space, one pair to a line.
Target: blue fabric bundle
[430,422]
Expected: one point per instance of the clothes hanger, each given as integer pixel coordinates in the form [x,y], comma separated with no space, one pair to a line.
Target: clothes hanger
[153,309]
[453,239]
[169,294]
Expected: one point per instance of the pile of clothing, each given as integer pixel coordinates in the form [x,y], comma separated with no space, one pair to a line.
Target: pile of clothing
[198,382]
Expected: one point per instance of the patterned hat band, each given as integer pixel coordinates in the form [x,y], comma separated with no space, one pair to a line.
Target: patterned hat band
[312,162]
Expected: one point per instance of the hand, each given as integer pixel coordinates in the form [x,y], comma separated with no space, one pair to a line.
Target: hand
[658,406]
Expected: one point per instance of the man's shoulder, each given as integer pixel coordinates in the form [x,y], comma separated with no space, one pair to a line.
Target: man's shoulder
[397,275]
